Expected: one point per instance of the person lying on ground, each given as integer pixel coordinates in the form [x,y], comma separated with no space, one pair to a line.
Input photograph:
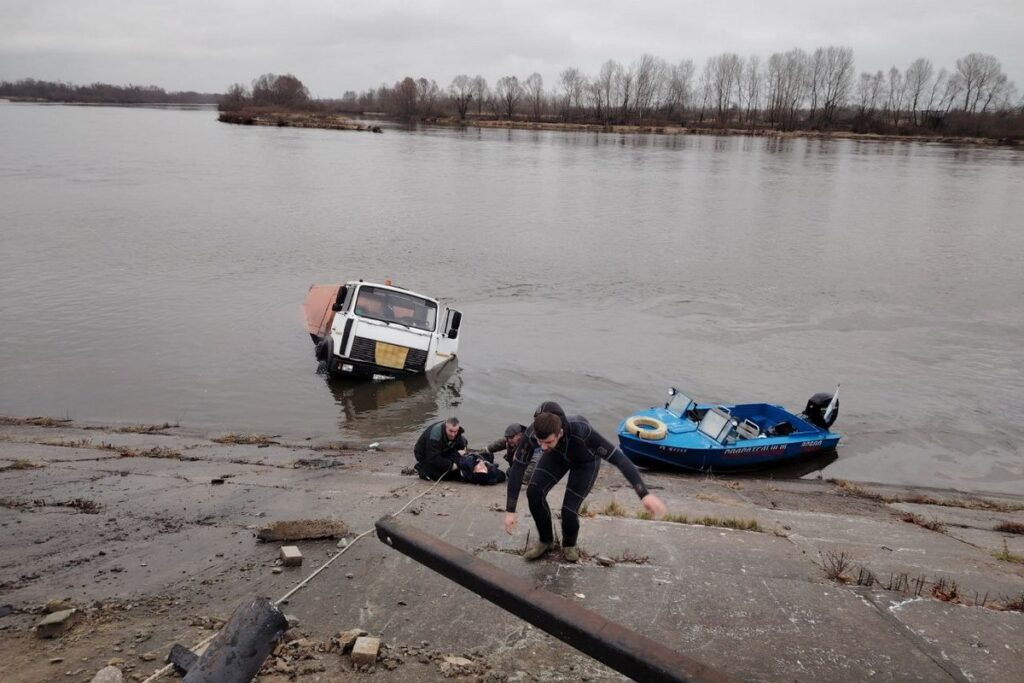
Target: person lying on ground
[438,449]
[569,445]
[474,468]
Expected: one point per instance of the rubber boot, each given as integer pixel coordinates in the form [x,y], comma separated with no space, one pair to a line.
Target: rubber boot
[536,552]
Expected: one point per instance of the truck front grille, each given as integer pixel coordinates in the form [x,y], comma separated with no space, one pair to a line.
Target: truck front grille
[364,349]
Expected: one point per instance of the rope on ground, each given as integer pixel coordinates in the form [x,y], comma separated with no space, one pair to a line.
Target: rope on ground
[206,641]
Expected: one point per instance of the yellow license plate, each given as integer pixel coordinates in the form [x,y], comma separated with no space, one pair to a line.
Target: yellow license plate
[390,355]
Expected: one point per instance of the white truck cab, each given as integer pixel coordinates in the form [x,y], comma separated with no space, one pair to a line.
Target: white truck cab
[374,330]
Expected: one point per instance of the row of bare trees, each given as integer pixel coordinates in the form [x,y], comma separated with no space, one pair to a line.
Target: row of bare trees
[789,90]
[100,93]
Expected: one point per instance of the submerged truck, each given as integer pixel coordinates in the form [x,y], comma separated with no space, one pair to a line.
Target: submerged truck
[378,330]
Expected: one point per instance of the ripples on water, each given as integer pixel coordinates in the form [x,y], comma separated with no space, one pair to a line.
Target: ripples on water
[153,263]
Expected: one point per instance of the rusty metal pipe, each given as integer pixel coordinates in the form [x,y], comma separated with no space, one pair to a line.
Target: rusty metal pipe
[618,647]
[239,650]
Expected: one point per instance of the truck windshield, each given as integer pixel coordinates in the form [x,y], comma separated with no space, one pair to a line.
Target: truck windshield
[396,307]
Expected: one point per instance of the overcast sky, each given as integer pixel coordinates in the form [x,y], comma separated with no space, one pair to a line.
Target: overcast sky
[339,45]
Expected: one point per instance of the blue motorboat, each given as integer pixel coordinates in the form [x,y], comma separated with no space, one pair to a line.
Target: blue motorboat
[747,436]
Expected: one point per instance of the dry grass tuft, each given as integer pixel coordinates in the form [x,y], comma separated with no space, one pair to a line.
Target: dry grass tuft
[678,519]
[946,591]
[22,464]
[629,557]
[836,565]
[730,523]
[1010,528]
[32,421]
[245,439]
[850,489]
[931,524]
[613,509]
[154,452]
[968,504]
[644,514]
[1006,556]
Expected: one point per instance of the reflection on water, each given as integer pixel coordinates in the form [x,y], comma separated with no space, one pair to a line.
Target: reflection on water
[381,409]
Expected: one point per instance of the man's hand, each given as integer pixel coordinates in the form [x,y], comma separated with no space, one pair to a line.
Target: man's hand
[510,522]
[654,505]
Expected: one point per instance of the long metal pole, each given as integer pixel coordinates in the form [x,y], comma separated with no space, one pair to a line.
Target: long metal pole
[618,647]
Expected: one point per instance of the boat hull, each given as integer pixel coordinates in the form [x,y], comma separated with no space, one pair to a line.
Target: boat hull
[683,447]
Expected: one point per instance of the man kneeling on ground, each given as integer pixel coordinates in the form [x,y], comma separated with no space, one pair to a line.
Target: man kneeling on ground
[439,448]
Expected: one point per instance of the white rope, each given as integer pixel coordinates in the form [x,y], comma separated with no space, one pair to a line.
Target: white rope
[167,669]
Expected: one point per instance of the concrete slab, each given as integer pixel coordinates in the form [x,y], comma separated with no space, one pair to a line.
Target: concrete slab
[982,644]
[893,546]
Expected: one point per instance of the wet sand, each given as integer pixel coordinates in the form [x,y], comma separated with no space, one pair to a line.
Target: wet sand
[151,532]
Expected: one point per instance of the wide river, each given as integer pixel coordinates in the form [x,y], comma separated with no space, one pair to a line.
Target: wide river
[153,265]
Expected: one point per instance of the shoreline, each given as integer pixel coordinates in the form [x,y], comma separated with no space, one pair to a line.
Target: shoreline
[756,132]
[149,531]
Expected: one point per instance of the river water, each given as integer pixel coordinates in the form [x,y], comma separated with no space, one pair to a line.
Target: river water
[153,265]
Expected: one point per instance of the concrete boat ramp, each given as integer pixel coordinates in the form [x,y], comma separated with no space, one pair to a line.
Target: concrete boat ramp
[149,534]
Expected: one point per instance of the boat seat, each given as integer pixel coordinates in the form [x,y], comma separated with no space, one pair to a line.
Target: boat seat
[748,430]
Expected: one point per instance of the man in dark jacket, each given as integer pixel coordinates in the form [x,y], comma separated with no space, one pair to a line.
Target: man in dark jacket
[513,435]
[567,445]
[438,449]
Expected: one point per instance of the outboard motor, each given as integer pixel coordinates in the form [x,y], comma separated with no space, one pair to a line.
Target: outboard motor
[817,405]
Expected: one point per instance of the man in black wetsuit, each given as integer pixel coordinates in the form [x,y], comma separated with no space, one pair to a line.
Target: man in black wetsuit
[568,444]
[438,449]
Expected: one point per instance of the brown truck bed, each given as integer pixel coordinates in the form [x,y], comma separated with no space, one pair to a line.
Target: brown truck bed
[317,307]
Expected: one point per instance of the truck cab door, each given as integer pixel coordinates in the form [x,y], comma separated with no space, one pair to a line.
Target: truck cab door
[448,334]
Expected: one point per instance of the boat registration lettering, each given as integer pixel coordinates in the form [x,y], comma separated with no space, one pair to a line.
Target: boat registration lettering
[811,444]
[754,450]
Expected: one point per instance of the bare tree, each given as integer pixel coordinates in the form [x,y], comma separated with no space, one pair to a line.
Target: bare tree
[918,80]
[650,77]
[751,90]
[606,84]
[480,93]
[461,92]
[235,98]
[897,95]
[573,83]
[280,91]
[403,98]
[838,81]
[724,74]
[786,83]
[624,84]
[977,73]
[680,89]
[508,92]
[427,93]
[534,90]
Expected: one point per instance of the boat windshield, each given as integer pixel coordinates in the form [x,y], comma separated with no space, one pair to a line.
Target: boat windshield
[716,424]
[396,307]
[679,404]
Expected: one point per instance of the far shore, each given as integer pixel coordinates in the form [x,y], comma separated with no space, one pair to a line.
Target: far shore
[298,119]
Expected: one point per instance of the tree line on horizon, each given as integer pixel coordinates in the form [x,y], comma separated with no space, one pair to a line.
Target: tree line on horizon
[101,93]
[819,90]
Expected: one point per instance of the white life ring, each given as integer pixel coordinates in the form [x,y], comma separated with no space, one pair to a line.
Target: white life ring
[646,427]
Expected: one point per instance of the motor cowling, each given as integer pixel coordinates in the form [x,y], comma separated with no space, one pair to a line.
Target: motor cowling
[815,410]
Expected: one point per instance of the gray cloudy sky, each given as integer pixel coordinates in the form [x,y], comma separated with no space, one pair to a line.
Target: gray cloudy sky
[338,45]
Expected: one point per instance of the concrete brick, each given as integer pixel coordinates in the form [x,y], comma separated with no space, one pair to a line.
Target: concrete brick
[53,625]
[346,639]
[290,556]
[364,652]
